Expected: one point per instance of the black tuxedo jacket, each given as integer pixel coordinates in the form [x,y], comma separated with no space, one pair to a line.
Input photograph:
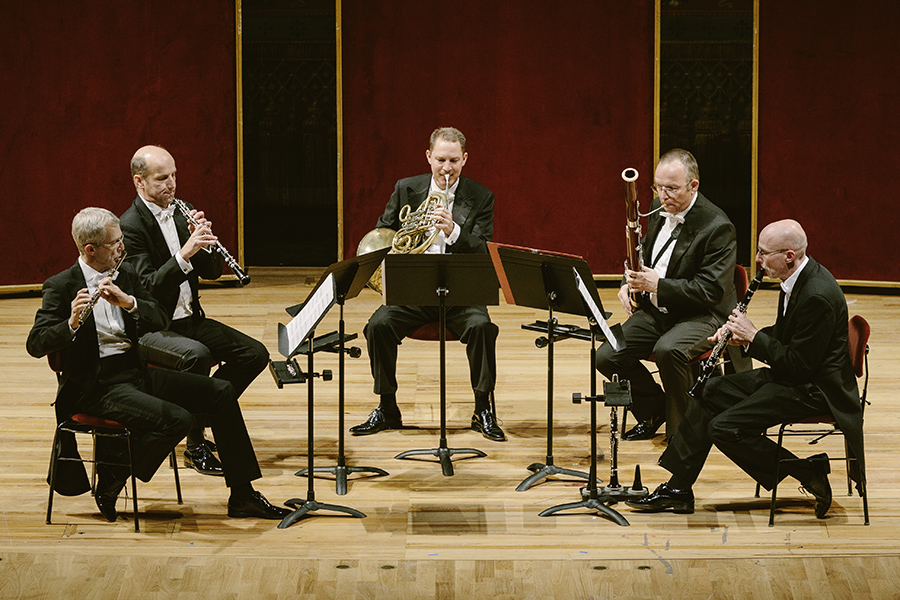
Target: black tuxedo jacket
[700,277]
[808,347]
[79,354]
[158,270]
[473,211]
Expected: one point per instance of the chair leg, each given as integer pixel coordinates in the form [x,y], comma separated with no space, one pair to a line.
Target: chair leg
[173,459]
[777,476]
[53,457]
[134,498]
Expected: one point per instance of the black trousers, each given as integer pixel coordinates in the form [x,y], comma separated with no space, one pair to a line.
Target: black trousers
[674,344]
[732,413]
[161,405]
[471,324]
[195,343]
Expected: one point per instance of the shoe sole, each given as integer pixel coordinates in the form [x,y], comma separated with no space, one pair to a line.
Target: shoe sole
[678,509]
[189,465]
[488,437]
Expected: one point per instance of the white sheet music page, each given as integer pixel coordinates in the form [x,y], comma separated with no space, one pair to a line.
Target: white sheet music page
[595,310]
[311,313]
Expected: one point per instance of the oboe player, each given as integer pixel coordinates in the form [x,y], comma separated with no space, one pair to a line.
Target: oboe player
[808,372]
[103,376]
[687,286]
[167,253]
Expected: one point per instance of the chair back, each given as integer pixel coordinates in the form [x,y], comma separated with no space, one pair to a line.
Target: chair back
[54,359]
[859,343]
[741,283]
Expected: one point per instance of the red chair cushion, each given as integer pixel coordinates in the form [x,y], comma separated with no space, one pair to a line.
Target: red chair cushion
[92,421]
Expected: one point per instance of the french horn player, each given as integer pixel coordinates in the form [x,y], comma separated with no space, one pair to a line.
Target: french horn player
[437,212]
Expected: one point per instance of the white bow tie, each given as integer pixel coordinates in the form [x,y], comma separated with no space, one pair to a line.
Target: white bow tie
[166,213]
[672,219]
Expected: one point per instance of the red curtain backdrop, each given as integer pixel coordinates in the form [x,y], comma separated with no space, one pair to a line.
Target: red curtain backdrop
[84,84]
[555,99]
[829,121]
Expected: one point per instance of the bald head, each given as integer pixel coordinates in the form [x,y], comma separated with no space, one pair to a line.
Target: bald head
[153,174]
[787,234]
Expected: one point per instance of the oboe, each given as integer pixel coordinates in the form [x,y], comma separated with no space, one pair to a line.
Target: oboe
[229,260]
[95,297]
[709,365]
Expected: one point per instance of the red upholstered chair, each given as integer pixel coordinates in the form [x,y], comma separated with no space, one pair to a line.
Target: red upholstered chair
[822,426]
[81,423]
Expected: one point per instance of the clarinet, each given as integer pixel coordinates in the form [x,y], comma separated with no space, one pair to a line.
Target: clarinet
[95,297]
[229,260]
[709,365]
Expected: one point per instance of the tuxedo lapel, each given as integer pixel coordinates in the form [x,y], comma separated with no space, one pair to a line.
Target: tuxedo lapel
[159,248]
[462,204]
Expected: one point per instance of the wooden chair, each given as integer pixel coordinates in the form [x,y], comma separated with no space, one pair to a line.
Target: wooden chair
[81,423]
[825,425]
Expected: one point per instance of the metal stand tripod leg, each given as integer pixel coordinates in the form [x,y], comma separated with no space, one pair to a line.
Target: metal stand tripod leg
[341,470]
[443,453]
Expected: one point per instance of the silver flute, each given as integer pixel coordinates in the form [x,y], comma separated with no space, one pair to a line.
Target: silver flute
[95,297]
[229,260]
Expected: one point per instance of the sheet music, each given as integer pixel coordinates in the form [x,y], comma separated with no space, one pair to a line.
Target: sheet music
[311,313]
[595,310]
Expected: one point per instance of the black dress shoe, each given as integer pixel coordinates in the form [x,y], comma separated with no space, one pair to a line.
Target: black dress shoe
[202,460]
[819,486]
[256,506]
[645,430]
[485,423]
[106,494]
[378,421]
[663,498]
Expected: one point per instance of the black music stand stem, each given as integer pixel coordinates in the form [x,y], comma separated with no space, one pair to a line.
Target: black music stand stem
[474,283]
[350,277]
[304,507]
[341,469]
[597,500]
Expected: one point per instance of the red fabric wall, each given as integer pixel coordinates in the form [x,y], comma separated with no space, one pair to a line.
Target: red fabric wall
[829,121]
[555,99]
[84,84]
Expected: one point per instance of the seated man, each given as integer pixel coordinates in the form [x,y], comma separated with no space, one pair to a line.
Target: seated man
[687,287]
[103,376]
[167,252]
[809,373]
[465,226]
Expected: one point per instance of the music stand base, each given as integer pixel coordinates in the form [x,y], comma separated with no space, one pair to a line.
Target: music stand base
[541,471]
[443,455]
[340,473]
[591,504]
[304,507]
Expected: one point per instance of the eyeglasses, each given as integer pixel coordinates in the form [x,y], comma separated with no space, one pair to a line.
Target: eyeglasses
[111,244]
[765,253]
[668,189]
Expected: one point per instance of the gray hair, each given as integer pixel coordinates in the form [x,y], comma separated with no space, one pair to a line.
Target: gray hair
[89,226]
[449,134]
[691,169]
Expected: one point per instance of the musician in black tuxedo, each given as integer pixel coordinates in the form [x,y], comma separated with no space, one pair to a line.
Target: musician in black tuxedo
[103,376]
[809,373]
[687,287]
[168,254]
[463,227]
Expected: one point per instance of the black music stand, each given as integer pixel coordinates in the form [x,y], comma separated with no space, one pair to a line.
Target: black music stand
[440,280]
[290,338]
[544,280]
[350,277]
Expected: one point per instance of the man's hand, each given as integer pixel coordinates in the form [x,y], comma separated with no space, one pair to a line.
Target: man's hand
[201,236]
[443,220]
[646,280]
[110,292]
[625,299]
[79,303]
[741,328]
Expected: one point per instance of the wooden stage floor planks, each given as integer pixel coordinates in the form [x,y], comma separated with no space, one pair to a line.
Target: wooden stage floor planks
[426,535]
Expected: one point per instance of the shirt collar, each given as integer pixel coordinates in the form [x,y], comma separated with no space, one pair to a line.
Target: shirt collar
[788,284]
[159,213]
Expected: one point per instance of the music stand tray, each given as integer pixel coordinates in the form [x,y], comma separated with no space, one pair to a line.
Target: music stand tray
[440,280]
[544,280]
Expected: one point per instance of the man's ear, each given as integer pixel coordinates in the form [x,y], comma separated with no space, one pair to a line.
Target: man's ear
[138,182]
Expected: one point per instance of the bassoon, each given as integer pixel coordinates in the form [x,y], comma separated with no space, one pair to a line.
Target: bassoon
[634,260]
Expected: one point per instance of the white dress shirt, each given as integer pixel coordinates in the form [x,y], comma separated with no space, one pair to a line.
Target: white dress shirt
[164,216]
[108,318]
[439,246]
[661,266]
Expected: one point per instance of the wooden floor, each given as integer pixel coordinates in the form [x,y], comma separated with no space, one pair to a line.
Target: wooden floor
[426,535]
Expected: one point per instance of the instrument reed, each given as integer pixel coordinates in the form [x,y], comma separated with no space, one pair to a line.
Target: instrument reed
[95,297]
[243,278]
